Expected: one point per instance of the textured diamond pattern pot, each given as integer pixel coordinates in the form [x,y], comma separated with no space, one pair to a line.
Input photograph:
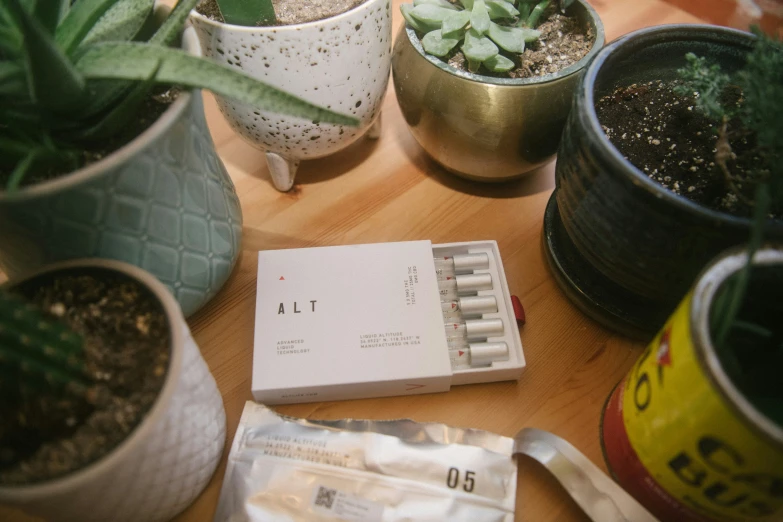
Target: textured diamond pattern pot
[166,461]
[163,202]
[623,248]
[341,63]
[480,127]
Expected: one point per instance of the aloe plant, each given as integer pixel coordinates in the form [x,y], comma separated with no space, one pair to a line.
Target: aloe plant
[38,352]
[72,73]
[247,12]
[486,28]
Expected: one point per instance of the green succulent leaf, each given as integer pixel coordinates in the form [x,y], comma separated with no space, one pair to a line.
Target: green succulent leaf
[467,4]
[133,61]
[498,63]
[430,14]
[538,10]
[455,24]
[22,167]
[417,25]
[434,43]
[511,39]
[51,78]
[169,32]
[529,35]
[440,3]
[121,22]
[479,17]
[478,47]
[501,9]
[77,23]
[248,12]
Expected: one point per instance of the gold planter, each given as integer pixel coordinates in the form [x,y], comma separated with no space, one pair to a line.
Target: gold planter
[480,127]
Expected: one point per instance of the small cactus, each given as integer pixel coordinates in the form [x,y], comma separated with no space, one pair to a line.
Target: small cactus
[473,22]
[38,352]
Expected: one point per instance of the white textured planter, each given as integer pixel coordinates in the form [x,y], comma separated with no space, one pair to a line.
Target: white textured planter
[341,63]
[166,461]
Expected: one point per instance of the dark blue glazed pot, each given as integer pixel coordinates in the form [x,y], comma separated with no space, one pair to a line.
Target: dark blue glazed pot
[622,247]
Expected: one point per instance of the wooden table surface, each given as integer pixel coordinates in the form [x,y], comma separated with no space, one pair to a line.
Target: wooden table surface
[389,190]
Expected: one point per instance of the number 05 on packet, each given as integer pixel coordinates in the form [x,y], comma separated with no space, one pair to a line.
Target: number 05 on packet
[281,468]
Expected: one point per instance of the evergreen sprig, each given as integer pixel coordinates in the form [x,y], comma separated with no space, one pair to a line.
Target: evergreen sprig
[760,111]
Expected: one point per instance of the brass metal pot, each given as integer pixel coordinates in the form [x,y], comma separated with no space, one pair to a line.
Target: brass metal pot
[480,127]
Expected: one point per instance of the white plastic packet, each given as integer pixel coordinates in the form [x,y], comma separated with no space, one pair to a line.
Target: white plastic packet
[284,469]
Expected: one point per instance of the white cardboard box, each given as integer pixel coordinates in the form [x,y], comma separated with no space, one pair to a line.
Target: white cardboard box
[357,321]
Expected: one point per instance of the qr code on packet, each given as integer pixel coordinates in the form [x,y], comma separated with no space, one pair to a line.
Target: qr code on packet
[325,497]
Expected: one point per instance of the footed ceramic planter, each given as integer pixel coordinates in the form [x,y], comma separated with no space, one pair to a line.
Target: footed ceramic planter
[341,63]
[166,461]
[480,127]
[163,202]
[622,247]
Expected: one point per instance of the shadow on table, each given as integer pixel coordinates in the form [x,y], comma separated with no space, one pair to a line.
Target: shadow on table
[541,179]
[337,164]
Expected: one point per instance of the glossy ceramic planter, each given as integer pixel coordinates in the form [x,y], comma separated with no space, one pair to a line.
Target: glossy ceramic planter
[341,63]
[623,248]
[167,460]
[480,127]
[163,202]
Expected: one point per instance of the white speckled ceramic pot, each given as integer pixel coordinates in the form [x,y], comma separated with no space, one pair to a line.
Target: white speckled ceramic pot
[167,459]
[341,63]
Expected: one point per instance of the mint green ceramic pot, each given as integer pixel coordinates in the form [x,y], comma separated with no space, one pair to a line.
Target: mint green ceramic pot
[163,202]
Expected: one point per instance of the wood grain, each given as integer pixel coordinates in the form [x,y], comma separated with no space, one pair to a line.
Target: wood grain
[389,190]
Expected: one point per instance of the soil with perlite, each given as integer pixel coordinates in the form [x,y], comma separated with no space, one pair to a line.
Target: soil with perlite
[290,12]
[665,136]
[564,41]
[48,434]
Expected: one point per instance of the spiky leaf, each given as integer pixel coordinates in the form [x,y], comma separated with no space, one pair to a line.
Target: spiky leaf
[78,22]
[51,78]
[455,24]
[133,61]
[498,63]
[430,14]
[248,12]
[501,9]
[168,33]
[479,17]
[47,12]
[512,39]
[478,47]
[535,15]
[434,43]
[121,22]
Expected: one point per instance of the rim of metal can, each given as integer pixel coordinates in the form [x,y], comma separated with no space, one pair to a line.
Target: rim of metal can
[707,285]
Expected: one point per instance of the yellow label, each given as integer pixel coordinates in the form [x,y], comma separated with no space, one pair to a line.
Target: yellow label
[689,439]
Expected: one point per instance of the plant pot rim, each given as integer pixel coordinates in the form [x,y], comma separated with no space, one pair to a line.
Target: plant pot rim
[149,136]
[708,283]
[574,68]
[261,29]
[605,148]
[31,492]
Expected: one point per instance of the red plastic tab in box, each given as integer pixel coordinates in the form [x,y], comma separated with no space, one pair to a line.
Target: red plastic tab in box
[519,310]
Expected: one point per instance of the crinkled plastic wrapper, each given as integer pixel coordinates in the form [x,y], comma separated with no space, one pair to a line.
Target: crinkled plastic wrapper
[285,469]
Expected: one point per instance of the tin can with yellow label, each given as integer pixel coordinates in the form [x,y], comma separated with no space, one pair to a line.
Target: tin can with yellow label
[680,436]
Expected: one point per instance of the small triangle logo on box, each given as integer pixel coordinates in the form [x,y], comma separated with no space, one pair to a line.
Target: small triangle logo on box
[281,278]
